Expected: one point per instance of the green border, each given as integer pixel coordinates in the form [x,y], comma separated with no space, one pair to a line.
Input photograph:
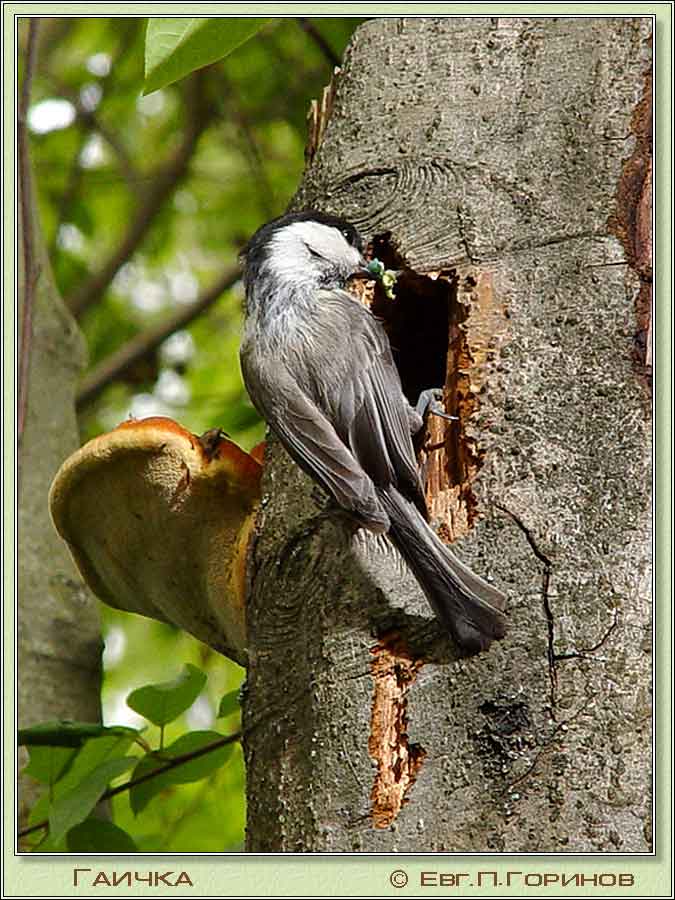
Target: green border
[363,876]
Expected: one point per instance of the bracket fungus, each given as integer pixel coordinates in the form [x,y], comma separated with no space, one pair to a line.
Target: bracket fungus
[158,522]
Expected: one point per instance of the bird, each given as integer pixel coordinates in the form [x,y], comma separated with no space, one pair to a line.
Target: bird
[319,369]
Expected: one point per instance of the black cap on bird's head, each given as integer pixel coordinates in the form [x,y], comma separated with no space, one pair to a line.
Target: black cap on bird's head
[265,233]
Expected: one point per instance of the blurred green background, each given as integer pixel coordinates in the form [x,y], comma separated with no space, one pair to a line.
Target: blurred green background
[145,203]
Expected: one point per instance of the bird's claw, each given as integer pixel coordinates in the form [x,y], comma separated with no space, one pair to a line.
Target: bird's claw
[429,402]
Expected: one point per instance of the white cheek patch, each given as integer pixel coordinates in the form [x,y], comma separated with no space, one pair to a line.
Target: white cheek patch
[289,247]
[288,257]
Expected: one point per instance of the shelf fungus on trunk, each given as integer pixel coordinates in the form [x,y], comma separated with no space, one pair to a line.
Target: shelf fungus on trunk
[158,521]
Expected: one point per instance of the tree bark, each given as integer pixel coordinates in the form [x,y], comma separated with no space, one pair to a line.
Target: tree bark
[489,157]
[59,642]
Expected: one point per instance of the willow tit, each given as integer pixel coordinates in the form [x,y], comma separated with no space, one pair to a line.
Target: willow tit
[319,369]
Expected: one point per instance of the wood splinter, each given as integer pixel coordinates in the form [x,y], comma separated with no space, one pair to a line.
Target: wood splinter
[398,761]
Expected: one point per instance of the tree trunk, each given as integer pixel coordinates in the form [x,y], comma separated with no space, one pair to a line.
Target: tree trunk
[59,643]
[502,162]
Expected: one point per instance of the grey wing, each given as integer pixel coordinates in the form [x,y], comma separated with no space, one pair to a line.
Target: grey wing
[313,443]
[375,415]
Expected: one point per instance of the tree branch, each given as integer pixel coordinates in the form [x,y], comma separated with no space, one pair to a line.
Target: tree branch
[200,115]
[250,146]
[30,266]
[310,29]
[115,365]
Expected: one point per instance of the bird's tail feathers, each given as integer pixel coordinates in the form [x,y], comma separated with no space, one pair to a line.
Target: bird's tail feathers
[467,605]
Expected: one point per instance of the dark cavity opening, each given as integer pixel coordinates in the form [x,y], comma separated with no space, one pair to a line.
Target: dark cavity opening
[417,320]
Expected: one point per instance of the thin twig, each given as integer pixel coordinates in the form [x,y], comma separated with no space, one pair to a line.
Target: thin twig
[143,344]
[319,40]
[54,32]
[251,151]
[134,782]
[30,265]
[200,115]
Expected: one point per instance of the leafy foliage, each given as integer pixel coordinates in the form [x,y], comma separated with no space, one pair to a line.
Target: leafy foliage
[77,777]
[74,805]
[193,769]
[162,703]
[175,47]
[65,734]
[229,705]
[148,199]
[48,764]
[71,797]
[181,818]
[94,834]
[98,175]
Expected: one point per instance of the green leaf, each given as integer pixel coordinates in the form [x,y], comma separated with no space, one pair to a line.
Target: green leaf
[76,804]
[47,764]
[45,844]
[229,704]
[96,836]
[40,810]
[175,47]
[191,770]
[93,754]
[67,734]
[162,703]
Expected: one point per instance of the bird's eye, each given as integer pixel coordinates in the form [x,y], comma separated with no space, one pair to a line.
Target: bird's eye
[347,233]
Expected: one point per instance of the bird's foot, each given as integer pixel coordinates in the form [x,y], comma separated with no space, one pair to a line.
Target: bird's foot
[429,402]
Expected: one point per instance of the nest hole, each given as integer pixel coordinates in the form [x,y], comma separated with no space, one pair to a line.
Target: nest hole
[425,322]
[418,320]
